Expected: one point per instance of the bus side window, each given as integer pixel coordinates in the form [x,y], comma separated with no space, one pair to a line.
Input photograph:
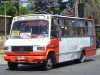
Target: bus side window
[82,30]
[90,28]
[71,28]
[66,23]
[80,26]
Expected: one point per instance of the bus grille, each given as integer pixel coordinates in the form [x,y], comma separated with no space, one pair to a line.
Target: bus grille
[22,48]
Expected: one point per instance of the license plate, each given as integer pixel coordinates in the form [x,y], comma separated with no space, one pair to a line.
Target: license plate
[20,57]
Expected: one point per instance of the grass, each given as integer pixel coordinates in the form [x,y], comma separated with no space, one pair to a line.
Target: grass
[2,51]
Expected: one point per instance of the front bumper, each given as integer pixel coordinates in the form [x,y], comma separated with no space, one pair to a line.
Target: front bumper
[25,59]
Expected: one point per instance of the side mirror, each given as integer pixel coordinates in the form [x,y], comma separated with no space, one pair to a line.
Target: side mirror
[54,34]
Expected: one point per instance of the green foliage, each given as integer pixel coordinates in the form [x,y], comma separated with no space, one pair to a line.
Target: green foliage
[9,9]
[98,34]
[91,10]
[12,9]
[23,10]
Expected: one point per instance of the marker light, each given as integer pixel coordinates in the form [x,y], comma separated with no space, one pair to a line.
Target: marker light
[14,18]
[47,17]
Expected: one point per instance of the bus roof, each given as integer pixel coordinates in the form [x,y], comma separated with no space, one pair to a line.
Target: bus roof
[72,17]
[53,16]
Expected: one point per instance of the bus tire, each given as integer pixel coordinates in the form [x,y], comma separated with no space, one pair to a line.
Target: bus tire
[48,64]
[82,57]
[12,66]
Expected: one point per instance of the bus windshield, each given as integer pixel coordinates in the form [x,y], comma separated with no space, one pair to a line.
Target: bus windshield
[30,29]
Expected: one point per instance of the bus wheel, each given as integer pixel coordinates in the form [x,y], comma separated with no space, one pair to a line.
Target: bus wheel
[12,66]
[48,64]
[82,57]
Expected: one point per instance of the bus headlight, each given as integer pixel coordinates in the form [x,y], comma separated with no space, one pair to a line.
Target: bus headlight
[41,48]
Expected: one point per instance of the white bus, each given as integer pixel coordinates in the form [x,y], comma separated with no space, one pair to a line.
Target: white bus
[49,39]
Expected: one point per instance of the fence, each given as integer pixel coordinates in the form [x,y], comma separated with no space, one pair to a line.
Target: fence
[3,39]
[2,29]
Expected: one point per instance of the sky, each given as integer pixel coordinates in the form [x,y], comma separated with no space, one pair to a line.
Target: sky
[24,4]
[64,0]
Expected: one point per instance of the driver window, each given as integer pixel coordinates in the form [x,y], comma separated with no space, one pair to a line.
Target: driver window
[60,27]
[54,27]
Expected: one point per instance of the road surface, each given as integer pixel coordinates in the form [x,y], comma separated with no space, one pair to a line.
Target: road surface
[91,66]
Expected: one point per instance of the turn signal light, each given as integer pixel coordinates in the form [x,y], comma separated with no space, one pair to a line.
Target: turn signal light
[40,48]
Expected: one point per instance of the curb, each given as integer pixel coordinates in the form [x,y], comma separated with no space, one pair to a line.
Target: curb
[98,52]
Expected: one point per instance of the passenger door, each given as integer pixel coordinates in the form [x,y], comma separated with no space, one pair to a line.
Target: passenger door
[62,40]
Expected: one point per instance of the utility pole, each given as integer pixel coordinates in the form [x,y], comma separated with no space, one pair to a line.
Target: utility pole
[76,8]
[18,7]
[5,22]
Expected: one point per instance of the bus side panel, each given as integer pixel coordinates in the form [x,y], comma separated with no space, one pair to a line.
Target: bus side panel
[90,51]
[54,46]
[69,49]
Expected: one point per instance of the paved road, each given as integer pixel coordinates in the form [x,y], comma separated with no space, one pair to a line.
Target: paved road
[91,66]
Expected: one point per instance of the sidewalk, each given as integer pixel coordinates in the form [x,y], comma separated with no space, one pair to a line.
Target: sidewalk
[98,51]
[2,61]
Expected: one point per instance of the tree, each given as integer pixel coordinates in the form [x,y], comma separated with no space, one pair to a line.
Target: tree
[52,6]
[49,6]
[16,5]
[23,10]
[91,10]
[67,7]
[12,9]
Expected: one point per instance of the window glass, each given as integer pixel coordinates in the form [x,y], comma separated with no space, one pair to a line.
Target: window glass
[30,29]
[90,28]
[60,27]
[81,27]
[69,27]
